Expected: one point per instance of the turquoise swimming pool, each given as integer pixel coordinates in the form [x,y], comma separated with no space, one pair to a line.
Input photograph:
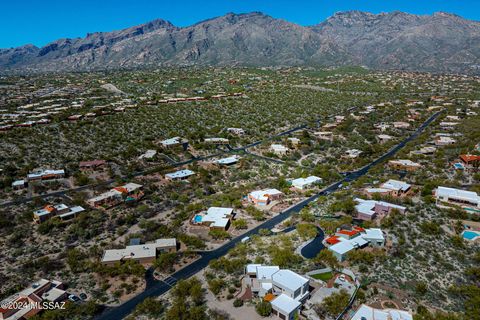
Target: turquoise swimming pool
[470,235]
[197,219]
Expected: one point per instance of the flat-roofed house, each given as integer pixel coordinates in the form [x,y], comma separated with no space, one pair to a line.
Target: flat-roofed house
[126,193]
[236,131]
[58,210]
[370,209]
[215,218]
[216,141]
[404,164]
[227,161]
[286,289]
[365,312]
[92,165]
[285,307]
[46,175]
[19,184]
[444,141]
[384,138]
[143,253]
[352,238]
[305,183]
[264,197]
[324,135]
[13,307]
[468,200]
[279,149]
[392,187]
[179,175]
[174,142]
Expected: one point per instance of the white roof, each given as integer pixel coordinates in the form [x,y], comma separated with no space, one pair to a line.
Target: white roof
[373,234]
[171,141]
[306,181]
[457,194]
[266,272]
[285,303]
[53,294]
[405,162]
[369,313]
[18,183]
[228,160]
[137,251]
[42,173]
[132,186]
[263,194]
[358,241]
[342,247]
[279,148]
[180,174]
[251,268]
[367,206]
[396,185]
[289,279]
[148,154]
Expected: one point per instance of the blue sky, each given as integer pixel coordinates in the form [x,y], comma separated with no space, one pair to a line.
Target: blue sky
[41,21]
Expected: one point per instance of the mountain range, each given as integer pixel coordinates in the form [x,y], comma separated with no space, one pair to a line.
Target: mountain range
[440,42]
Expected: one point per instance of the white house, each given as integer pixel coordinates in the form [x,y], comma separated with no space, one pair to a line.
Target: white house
[304,183]
[227,161]
[391,187]
[215,218]
[345,241]
[264,197]
[179,175]
[149,154]
[468,200]
[368,313]
[289,289]
[279,149]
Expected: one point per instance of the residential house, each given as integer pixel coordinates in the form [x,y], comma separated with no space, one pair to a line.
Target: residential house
[149,154]
[324,135]
[46,175]
[215,218]
[143,253]
[58,210]
[13,307]
[392,187]
[370,209]
[365,312]
[401,125]
[295,142]
[174,142]
[384,138]
[264,197]
[227,161]
[468,200]
[179,175]
[403,164]
[352,154]
[126,193]
[444,141]
[285,289]
[470,160]
[236,131]
[347,239]
[305,183]
[216,141]
[279,149]
[92,165]
[19,184]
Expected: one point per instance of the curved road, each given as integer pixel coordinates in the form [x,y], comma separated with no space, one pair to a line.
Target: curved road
[311,250]
[161,287]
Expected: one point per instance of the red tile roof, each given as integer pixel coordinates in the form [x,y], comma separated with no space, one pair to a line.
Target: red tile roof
[332,240]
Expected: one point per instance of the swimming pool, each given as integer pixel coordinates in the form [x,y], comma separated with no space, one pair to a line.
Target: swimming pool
[470,235]
[197,218]
[459,166]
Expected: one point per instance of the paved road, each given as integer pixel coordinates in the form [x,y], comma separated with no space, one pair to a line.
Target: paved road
[162,287]
[169,160]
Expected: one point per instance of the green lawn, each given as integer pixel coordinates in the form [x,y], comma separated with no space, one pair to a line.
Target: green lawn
[323,276]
